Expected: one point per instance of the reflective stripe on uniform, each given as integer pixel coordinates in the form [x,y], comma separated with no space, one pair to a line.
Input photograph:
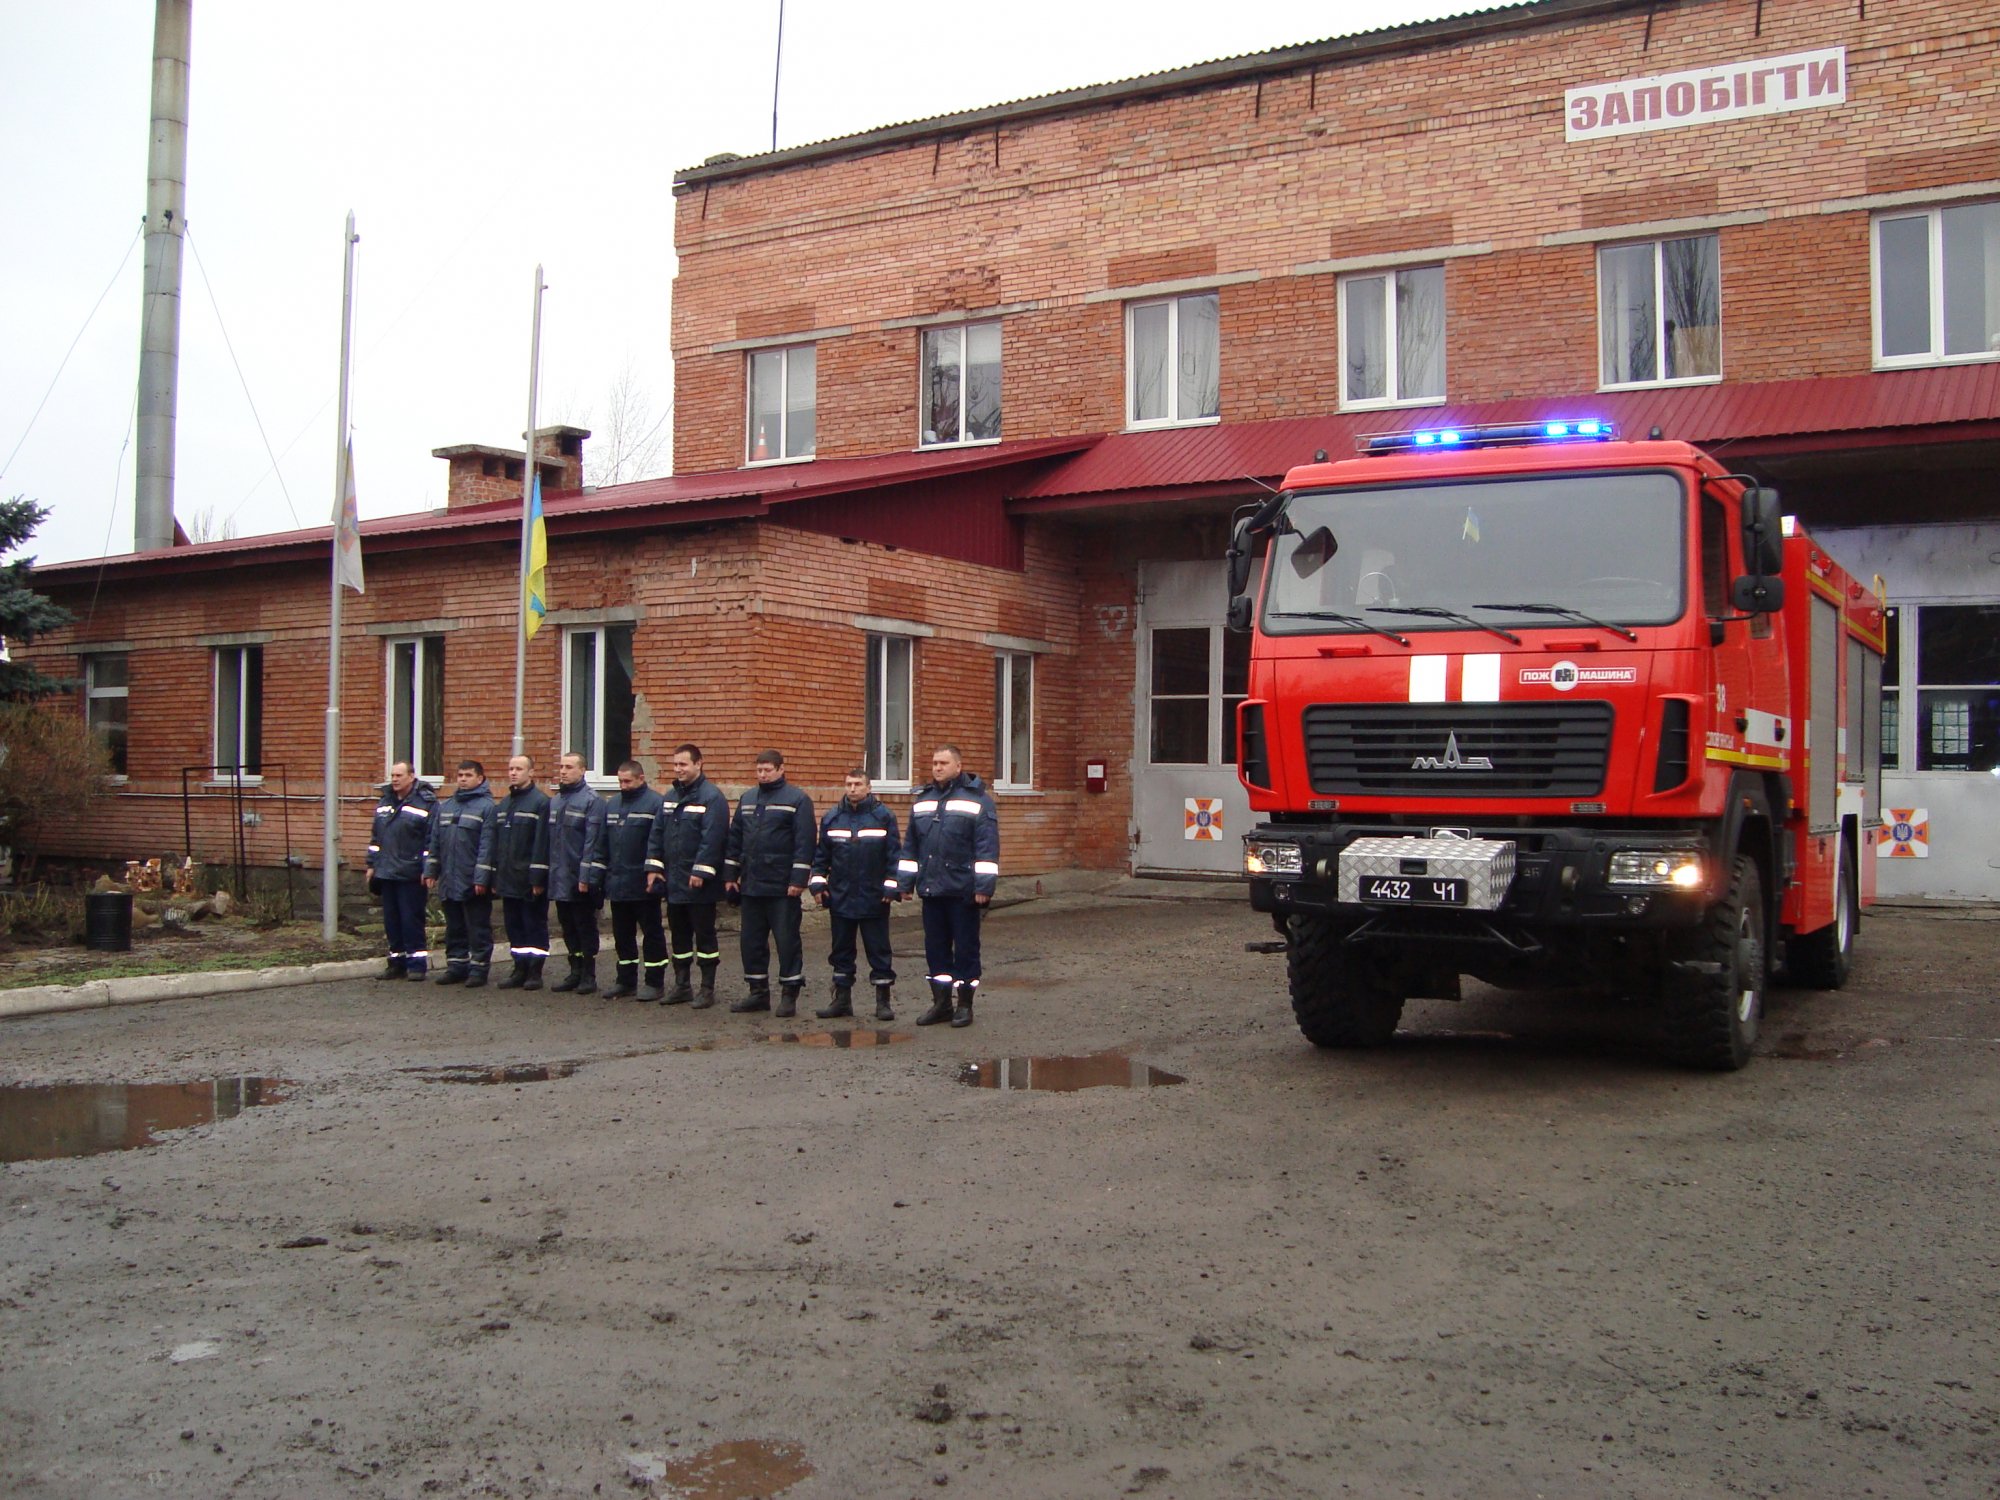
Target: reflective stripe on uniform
[964,805]
[872,833]
[840,833]
[985,867]
[928,805]
[704,869]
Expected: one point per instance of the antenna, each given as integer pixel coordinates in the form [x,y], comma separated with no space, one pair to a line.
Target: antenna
[777,69]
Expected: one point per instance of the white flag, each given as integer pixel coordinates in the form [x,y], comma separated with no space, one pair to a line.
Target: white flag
[347,534]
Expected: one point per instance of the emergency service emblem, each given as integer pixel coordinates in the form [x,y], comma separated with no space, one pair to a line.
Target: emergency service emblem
[1905,833]
[1204,818]
[1565,675]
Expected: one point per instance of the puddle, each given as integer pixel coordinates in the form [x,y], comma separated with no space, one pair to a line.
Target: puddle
[1065,1075]
[495,1072]
[48,1122]
[727,1471]
[843,1039]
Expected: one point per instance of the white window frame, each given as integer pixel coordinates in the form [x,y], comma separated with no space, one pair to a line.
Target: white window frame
[389,756]
[1658,247]
[596,774]
[1173,305]
[94,694]
[1005,772]
[1391,336]
[964,332]
[220,770]
[1934,247]
[785,362]
[877,765]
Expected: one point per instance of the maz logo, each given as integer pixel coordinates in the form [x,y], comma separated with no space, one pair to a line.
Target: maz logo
[1452,761]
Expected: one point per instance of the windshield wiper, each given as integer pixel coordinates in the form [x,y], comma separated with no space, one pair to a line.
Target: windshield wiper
[1564,612]
[1436,612]
[1335,615]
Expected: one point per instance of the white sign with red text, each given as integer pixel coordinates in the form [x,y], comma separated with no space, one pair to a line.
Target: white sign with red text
[1702,96]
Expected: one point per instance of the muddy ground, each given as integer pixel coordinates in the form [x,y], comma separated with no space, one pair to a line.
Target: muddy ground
[1510,1255]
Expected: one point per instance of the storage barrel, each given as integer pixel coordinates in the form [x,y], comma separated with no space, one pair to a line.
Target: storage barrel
[107,921]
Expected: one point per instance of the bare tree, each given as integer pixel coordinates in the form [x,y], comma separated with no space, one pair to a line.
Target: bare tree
[203,527]
[630,441]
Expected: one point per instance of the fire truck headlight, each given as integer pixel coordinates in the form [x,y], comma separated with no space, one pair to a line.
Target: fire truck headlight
[1262,858]
[1677,869]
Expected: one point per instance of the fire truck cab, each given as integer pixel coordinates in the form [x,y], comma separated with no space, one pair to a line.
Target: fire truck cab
[1546,708]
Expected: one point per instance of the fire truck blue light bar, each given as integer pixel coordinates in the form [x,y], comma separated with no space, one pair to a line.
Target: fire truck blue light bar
[1492,435]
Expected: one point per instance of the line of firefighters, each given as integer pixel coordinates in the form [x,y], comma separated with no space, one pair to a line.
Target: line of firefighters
[640,847]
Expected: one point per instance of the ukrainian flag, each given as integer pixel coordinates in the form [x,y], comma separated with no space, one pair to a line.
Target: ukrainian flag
[535,603]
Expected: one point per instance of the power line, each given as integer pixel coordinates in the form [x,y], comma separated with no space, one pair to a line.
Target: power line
[187,233]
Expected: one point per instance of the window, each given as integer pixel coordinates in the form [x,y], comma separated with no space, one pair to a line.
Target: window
[416,704]
[1892,692]
[104,699]
[961,391]
[1014,719]
[1659,311]
[783,404]
[1958,687]
[886,751]
[1194,724]
[1937,285]
[1392,338]
[239,711]
[597,696]
[1173,355]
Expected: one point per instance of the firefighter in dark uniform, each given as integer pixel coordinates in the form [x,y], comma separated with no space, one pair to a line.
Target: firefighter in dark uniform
[689,843]
[854,878]
[397,844]
[576,871]
[770,859]
[521,874]
[952,859]
[629,819]
[460,869]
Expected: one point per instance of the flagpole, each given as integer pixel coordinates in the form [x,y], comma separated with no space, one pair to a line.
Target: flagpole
[329,902]
[527,494]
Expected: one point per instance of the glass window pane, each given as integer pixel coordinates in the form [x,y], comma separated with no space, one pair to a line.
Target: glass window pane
[1180,731]
[1903,262]
[1625,313]
[1691,270]
[1367,368]
[1149,362]
[1000,718]
[107,717]
[402,701]
[871,754]
[801,401]
[583,697]
[896,751]
[618,699]
[1959,729]
[107,671]
[1235,663]
[228,707]
[1958,643]
[941,385]
[1020,719]
[1200,357]
[1892,718]
[982,381]
[1420,333]
[430,750]
[1180,661]
[253,710]
[1892,659]
[767,375]
[1971,236]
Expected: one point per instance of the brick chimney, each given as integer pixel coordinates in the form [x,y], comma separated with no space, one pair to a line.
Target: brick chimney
[481,474]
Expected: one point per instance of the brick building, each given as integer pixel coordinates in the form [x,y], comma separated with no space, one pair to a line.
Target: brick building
[963,407]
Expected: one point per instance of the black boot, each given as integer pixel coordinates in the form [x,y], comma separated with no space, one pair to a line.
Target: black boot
[655,987]
[452,976]
[759,998]
[475,979]
[682,992]
[705,998]
[882,1010]
[961,1014]
[395,970]
[517,977]
[534,979]
[570,980]
[628,982]
[843,1001]
[586,975]
[940,1004]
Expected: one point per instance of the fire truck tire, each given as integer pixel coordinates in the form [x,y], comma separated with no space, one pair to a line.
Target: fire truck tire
[1711,1018]
[1339,1002]
[1821,960]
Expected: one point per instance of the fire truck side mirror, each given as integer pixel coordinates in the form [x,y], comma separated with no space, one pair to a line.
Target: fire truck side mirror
[1240,611]
[1757,594]
[1239,559]
[1763,531]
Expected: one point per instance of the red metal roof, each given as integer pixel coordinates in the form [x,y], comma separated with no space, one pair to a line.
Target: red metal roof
[1749,418]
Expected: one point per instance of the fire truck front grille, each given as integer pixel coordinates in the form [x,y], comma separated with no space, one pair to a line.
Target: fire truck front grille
[1458,749]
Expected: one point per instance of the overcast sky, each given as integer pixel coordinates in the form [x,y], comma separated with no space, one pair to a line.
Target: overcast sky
[472,139]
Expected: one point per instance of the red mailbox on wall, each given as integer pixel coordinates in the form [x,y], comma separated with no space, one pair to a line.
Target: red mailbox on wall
[1094,779]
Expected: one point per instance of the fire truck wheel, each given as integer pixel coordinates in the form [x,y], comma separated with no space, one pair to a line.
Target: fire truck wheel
[1711,1018]
[1339,1001]
[1820,960]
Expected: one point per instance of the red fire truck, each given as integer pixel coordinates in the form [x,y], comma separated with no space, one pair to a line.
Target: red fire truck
[1546,708]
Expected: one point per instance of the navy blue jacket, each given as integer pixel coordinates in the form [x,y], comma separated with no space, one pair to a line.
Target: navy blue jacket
[462,849]
[521,845]
[771,841]
[629,818]
[691,838]
[576,843]
[401,837]
[856,863]
[952,851]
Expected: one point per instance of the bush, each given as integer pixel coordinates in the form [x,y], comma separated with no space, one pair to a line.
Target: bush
[52,774]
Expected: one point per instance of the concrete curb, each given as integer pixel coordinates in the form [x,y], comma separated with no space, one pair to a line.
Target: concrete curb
[144,989]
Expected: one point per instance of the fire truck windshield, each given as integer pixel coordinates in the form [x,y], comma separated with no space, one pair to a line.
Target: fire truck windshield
[1610,545]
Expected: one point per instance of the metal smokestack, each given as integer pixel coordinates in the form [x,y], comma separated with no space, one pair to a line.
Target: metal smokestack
[160,323]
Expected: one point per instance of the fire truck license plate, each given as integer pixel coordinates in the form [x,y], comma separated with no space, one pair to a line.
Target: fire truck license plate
[1413,890]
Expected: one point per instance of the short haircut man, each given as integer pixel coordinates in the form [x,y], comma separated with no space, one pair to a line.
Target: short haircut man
[471,765]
